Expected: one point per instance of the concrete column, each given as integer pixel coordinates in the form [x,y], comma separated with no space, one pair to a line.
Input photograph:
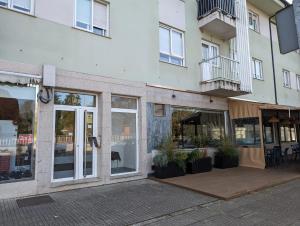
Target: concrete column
[104,121]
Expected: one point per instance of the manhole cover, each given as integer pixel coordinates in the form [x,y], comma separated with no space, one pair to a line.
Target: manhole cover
[34,201]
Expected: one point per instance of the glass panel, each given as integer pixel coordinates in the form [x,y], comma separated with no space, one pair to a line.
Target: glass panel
[282,137]
[83,13]
[124,143]
[164,40]
[164,57]
[287,134]
[23,5]
[64,144]
[123,102]
[205,51]
[88,144]
[293,134]
[247,131]
[193,128]
[268,134]
[177,47]
[16,137]
[74,99]
[176,60]
[159,110]
[3,2]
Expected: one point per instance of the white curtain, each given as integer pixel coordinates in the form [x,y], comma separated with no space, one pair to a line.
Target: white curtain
[164,40]
[177,47]
[207,72]
[100,15]
[24,4]
[83,11]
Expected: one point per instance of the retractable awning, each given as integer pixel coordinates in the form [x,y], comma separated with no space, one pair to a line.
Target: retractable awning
[19,78]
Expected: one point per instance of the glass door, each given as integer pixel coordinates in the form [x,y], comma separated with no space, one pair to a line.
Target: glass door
[75,143]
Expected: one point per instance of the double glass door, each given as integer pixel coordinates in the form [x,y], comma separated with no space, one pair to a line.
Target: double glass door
[75,143]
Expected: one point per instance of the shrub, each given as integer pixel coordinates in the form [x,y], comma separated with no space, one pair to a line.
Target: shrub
[180,159]
[160,160]
[195,155]
[226,148]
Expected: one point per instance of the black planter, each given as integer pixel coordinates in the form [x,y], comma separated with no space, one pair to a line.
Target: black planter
[171,170]
[199,166]
[224,162]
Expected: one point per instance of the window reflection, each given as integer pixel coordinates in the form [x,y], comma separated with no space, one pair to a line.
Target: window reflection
[74,99]
[247,131]
[16,133]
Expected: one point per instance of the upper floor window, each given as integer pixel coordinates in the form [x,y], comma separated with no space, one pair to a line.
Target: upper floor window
[171,46]
[286,79]
[92,16]
[253,21]
[298,81]
[257,70]
[210,51]
[24,6]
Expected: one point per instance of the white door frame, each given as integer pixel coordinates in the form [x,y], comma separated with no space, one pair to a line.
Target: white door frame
[78,144]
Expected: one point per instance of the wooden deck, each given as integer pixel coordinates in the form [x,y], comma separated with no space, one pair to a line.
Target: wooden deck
[231,183]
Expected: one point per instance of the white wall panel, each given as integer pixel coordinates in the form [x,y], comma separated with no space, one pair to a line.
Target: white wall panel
[172,12]
[242,41]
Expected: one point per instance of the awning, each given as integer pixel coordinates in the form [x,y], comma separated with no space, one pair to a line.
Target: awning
[19,78]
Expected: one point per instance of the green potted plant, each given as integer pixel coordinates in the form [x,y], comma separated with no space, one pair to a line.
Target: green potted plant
[227,155]
[198,162]
[169,163]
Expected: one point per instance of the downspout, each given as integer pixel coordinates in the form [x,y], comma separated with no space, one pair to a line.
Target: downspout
[273,63]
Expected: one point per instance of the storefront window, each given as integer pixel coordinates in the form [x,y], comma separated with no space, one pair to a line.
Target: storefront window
[74,99]
[247,131]
[17,119]
[269,139]
[124,146]
[193,128]
[287,133]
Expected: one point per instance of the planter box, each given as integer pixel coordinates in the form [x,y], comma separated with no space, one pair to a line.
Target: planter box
[224,162]
[199,166]
[172,170]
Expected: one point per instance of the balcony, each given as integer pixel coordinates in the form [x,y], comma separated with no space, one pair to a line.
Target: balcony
[220,77]
[217,17]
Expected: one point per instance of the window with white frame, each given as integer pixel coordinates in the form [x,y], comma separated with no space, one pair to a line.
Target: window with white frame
[298,82]
[253,21]
[257,69]
[18,5]
[92,15]
[171,45]
[286,79]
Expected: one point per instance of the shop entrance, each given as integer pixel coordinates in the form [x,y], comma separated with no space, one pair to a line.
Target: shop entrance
[75,137]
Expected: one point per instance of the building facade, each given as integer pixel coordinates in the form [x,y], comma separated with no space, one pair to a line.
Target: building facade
[90,88]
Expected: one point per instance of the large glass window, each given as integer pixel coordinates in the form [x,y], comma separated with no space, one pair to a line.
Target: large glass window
[19,5]
[247,131]
[17,119]
[92,15]
[193,128]
[124,140]
[74,99]
[287,133]
[171,46]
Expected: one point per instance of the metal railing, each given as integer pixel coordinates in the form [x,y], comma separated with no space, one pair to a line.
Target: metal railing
[220,68]
[206,7]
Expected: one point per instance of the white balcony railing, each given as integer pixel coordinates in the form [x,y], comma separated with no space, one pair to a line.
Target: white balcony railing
[220,68]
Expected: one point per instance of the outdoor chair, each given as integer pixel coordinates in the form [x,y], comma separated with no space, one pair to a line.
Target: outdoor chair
[269,157]
[296,151]
[277,155]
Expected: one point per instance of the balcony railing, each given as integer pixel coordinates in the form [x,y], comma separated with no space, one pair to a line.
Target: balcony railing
[220,68]
[206,7]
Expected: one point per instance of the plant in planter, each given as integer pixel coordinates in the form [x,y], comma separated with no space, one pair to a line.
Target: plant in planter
[227,155]
[169,163]
[198,162]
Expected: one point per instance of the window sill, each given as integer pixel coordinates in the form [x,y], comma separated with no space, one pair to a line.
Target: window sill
[128,175]
[18,11]
[257,32]
[74,182]
[80,29]
[258,79]
[176,65]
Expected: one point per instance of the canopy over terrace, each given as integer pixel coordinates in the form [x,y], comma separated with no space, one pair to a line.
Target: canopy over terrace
[253,138]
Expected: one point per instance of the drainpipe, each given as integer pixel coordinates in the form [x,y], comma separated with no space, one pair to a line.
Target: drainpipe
[273,63]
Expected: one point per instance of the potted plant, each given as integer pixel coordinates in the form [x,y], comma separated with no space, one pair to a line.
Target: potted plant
[198,162]
[169,163]
[227,155]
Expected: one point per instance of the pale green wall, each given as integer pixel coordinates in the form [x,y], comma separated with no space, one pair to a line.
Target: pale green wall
[263,91]
[189,76]
[132,53]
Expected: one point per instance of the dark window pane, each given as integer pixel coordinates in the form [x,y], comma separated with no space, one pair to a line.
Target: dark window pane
[159,110]
[123,102]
